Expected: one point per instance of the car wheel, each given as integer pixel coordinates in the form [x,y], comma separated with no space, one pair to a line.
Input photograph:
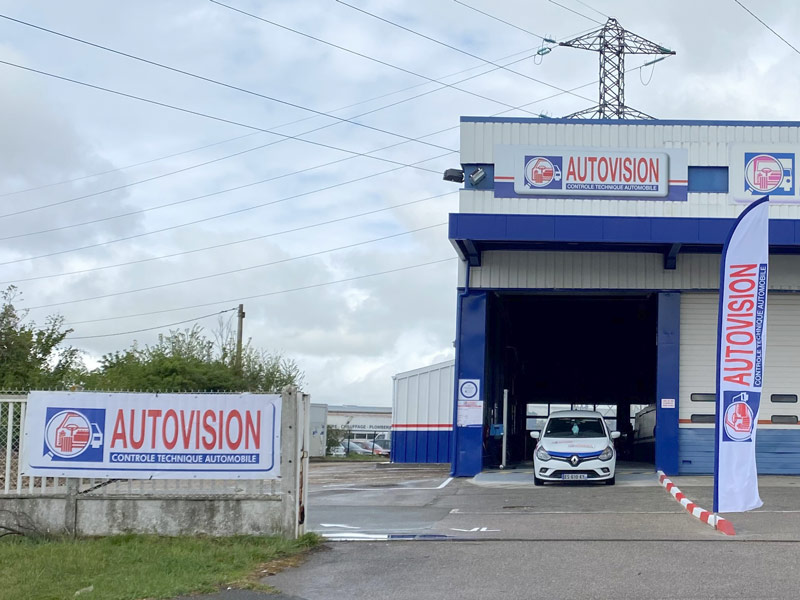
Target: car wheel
[537,481]
[611,481]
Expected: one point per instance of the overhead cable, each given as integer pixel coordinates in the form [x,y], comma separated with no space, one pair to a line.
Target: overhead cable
[232,271]
[194,319]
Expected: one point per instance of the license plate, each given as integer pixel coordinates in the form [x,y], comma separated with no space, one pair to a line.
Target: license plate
[573,476]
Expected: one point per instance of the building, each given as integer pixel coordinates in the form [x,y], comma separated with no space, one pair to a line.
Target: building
[590,259]
[361,421]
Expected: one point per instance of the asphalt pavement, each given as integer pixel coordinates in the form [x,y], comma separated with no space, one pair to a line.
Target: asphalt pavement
[414,532]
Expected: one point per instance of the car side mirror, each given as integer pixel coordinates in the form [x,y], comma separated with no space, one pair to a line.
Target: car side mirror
[535,435]
[615,435]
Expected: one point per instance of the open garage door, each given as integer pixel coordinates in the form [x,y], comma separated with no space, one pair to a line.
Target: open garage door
[555,352]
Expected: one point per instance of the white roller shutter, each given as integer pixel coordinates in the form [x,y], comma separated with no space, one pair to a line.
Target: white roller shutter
[698,337]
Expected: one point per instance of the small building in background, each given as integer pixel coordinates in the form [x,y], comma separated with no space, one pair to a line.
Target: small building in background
[319,430]
[422,414]
[363,422]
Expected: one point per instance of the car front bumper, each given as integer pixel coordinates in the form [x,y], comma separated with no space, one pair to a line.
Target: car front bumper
[561,470]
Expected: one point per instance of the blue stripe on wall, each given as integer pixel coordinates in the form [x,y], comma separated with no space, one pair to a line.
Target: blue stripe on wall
[777,451]
[421,446]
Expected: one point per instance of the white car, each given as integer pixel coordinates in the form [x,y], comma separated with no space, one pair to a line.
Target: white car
[574,445]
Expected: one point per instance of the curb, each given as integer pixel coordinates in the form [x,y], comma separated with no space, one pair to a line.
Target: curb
[705,516]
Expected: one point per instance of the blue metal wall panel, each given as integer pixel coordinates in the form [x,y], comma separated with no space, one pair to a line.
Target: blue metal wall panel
[470,364]
[777,451]
[668,380]
[421,446]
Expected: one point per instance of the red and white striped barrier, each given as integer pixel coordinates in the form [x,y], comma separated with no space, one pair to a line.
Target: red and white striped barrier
[705,516]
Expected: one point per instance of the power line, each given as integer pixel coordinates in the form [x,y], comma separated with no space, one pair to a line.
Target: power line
[203,196]
[91,337]
[196,113]
[592,8]
[580,14]
[232,271]
[242,152]
[485,14]
[366,56]
[783,39]
[215,81]
[160,158]
[264,295]
[446,45]
[197,221]
[228,244]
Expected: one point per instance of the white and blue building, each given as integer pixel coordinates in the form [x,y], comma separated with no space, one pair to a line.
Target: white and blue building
[589,274]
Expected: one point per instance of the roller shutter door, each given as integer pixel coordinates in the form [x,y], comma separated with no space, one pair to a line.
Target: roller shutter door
[778,438]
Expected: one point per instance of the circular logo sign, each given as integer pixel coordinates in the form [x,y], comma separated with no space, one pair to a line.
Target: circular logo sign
[541,172]
[764,173]
[739,421]
[67,434]
[469,389]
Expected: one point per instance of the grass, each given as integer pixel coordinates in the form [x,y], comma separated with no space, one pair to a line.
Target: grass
[132,567]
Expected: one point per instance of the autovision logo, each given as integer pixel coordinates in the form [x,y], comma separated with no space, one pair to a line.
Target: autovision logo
[543,172]
[739,419]
[74,434]
[769,173]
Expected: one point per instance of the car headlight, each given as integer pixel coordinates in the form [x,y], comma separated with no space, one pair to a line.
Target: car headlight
[542,454]
[607,454]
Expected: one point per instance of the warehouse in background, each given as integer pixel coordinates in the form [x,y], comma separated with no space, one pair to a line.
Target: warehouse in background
[422,414]
[590,256]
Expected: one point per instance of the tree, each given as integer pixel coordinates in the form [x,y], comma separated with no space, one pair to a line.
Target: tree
[31,356]
[187,360]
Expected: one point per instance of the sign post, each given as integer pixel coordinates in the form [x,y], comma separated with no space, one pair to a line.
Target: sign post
[741,344]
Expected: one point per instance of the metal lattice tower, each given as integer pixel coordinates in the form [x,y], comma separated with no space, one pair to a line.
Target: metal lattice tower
[613,43]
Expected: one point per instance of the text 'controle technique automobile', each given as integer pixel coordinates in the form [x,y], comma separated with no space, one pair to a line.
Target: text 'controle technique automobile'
[574,445]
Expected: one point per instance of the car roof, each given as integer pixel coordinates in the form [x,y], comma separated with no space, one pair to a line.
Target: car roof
[576,413]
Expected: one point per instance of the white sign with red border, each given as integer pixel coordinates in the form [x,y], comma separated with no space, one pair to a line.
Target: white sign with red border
[152,436]
[656,174]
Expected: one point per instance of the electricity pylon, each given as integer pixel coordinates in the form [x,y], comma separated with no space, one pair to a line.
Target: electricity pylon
[613,43]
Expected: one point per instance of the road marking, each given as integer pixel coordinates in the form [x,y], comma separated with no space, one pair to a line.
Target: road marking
[475,530]
[344,486]
[338,525]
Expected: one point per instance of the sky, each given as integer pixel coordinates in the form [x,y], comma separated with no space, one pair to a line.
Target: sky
[306,183]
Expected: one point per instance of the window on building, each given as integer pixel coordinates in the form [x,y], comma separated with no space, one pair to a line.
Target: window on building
[783,397]
[704,397]
[784,419]
[703,419]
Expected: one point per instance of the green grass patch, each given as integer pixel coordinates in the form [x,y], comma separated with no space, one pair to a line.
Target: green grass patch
[132,567]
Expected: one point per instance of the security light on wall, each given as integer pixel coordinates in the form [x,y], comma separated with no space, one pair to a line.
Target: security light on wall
[456,175]
[477,176]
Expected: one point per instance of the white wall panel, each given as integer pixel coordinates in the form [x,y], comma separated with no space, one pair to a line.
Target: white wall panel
[613,270]
[425,395]
[698,356]
[707,146]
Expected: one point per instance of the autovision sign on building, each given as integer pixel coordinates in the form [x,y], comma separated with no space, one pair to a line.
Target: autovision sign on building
[758,168]
[660,174]
[149,436]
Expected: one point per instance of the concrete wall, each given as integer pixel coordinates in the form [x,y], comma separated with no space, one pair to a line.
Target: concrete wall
[105,510]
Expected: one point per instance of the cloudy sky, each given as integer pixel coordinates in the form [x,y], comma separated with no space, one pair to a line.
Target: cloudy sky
[322,171]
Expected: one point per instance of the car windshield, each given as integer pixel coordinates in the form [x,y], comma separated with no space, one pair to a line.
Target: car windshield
[575,427]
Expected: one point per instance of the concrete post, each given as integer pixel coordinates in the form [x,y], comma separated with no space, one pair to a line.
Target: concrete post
[294,461]
[71,507]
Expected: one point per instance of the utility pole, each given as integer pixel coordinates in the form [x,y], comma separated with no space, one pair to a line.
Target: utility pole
[613,42]
[238,364]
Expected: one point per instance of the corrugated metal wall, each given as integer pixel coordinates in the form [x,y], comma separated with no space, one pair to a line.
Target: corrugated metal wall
[516,269]
[777,445]
[422,414]
[707,146]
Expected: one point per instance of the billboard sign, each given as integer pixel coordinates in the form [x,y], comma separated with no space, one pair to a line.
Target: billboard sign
[591,172]
[148,436]
[741,342]
[756,169]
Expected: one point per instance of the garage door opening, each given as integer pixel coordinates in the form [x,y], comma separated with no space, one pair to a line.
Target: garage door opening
[560,352]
